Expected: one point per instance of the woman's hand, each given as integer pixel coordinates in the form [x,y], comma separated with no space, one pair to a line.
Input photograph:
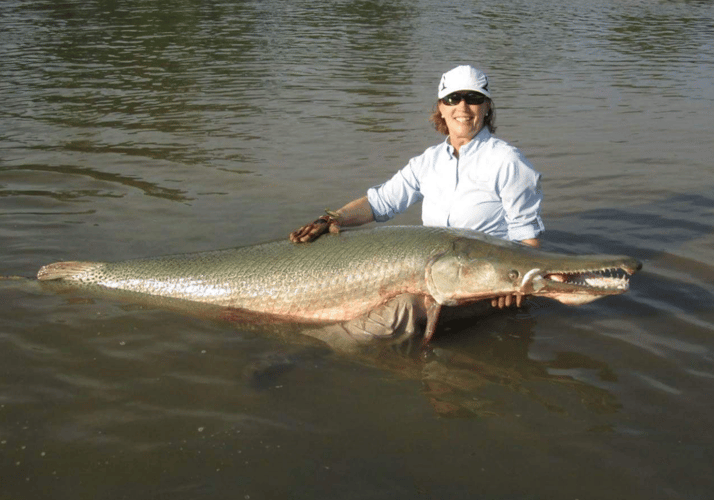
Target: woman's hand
[355,213]
[507,301]
[312,231]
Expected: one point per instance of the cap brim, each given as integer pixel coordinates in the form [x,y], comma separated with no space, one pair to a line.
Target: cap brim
[446,92]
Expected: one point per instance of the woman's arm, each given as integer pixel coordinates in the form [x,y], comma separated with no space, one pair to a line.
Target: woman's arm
[355,213]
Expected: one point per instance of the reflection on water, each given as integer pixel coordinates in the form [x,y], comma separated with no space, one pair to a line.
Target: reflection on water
[135,128]
[452,378]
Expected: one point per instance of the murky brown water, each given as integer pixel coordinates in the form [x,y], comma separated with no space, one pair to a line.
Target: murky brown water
[138,128]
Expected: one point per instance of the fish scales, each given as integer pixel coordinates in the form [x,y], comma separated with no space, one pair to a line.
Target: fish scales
[336,278]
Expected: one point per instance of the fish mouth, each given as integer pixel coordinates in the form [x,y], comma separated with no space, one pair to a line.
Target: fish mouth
[581,285]
[606,280]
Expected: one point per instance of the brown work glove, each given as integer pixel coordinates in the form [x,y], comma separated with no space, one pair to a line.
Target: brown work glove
[310,232]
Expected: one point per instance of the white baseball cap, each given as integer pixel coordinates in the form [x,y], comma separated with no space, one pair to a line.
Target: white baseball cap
[463,78]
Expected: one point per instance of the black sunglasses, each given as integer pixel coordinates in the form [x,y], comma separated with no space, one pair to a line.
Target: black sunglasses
[471,98]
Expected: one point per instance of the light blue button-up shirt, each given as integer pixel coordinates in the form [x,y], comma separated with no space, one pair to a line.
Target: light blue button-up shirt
[489,187]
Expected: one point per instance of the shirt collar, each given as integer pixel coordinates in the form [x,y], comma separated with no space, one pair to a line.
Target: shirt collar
[483,135]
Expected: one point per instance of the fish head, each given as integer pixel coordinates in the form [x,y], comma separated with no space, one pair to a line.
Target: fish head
[483,268]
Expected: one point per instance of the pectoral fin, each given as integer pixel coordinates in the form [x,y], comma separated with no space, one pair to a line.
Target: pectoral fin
[433,308]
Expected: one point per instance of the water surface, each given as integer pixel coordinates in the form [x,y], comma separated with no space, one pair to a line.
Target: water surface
[139,128]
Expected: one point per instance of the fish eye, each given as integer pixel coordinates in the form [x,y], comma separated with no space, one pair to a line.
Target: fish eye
[513,274]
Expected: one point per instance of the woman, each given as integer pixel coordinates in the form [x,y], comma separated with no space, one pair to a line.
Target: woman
[471,180]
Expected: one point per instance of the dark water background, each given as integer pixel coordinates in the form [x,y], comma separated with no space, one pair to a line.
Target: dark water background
[134,128]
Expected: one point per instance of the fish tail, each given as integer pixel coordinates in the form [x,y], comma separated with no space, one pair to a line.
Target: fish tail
[65,270]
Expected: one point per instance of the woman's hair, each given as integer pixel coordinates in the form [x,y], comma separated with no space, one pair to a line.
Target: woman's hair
[440,123]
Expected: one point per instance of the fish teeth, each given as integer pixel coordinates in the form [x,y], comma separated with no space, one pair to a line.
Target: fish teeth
[608,278]
[618,282]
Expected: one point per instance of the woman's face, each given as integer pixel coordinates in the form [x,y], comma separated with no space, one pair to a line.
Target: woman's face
[464,120]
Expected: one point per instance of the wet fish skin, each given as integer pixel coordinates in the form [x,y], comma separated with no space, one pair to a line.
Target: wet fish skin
[342,277]
[332,279]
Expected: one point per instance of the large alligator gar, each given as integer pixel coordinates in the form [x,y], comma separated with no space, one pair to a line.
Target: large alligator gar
[342,277]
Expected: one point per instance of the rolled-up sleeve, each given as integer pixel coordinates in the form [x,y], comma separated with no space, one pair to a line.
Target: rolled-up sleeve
[520,191]
[395,195]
